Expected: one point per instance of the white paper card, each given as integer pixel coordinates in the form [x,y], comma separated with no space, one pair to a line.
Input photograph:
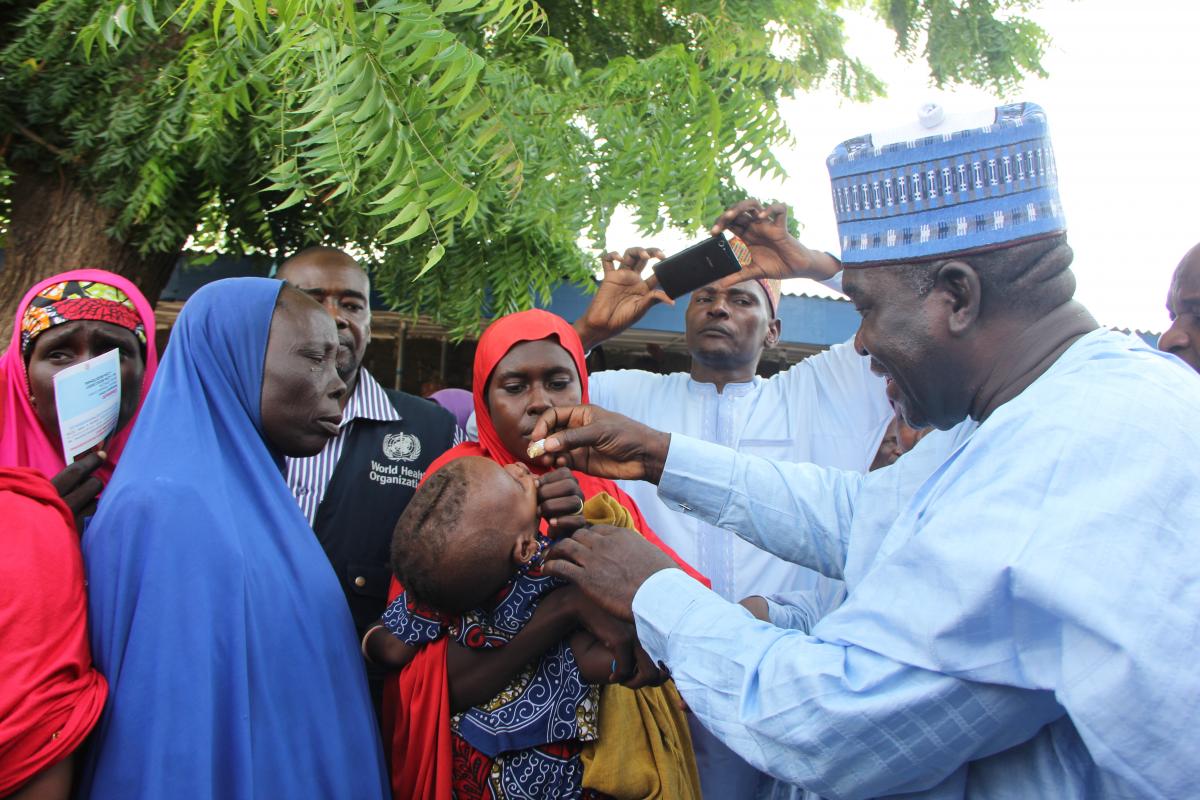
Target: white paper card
[88,398]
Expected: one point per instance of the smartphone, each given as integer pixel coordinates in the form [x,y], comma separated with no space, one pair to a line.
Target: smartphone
[701,264]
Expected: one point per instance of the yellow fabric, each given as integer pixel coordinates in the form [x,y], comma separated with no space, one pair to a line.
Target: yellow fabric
[644,749]
[603,509]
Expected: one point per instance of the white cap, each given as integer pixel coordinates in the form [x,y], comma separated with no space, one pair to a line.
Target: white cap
[933,120]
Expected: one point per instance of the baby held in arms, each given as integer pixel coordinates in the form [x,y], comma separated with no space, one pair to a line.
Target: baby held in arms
[530,669]
[468,553]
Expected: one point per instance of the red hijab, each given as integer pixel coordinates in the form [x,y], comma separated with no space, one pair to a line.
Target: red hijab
[501,336]
[417,701]
[50,694]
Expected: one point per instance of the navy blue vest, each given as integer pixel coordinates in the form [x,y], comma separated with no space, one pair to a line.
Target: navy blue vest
[376,475]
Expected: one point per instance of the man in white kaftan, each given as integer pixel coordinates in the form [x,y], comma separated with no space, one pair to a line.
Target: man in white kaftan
[829,409]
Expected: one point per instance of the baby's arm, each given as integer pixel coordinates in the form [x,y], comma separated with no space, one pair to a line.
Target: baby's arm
[394,640]
[756,605]
[477,675]
[600,663]
[594,659]
[383,648]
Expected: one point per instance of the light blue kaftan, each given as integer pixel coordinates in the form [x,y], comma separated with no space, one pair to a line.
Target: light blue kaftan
[1023,618]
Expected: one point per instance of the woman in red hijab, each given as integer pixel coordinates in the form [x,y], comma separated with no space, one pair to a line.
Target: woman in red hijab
[50,694]
[65,320]
[524,364]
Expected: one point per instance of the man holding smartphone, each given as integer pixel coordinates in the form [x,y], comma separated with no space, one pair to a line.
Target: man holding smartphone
[828,409]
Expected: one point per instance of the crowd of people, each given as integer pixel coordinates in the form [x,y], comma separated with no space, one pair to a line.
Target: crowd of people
[950,558]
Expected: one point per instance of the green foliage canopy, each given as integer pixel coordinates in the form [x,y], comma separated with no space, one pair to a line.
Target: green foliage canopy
[466,145]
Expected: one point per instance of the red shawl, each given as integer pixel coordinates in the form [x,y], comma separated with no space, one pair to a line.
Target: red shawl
[50,695]
[417,701]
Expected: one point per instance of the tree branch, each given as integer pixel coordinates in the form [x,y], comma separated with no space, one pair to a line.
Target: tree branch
[33,137]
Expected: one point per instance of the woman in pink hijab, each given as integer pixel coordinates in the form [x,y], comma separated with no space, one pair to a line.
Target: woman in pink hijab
[61,321]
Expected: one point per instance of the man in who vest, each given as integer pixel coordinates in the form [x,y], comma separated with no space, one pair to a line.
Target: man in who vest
[1023,603]
[354,490]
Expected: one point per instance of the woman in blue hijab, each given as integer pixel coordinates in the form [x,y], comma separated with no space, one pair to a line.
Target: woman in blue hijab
[230,654]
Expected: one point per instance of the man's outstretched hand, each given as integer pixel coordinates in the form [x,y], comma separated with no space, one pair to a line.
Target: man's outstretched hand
[608,564]
[774,251]
[623,298]
[599,442]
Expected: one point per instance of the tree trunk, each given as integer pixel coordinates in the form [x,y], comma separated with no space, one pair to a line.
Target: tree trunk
[57,225]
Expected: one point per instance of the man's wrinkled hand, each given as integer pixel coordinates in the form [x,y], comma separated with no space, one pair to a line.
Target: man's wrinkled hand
[608,564]
[599,442]
[775,253]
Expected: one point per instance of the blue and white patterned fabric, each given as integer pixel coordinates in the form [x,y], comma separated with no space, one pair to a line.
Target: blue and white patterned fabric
[540,706]
[951,192]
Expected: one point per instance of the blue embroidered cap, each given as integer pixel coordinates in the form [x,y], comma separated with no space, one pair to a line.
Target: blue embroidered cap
[947,191]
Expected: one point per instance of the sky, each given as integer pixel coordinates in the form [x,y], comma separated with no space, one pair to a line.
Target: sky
[1123,102]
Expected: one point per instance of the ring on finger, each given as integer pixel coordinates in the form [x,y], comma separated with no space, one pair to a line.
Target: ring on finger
[579,510]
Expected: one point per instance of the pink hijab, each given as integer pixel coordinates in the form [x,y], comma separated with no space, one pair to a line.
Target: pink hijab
[23,443]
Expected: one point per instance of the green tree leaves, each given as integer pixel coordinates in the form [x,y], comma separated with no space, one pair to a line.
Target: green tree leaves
[467,145]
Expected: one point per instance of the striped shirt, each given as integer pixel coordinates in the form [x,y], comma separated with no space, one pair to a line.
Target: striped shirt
[308,478]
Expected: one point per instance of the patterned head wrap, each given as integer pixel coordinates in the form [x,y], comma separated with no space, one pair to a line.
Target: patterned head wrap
[771,286]
[75,300]
[773,289]
[941,189]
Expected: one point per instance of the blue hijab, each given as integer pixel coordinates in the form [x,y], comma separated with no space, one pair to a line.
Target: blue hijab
[227,643]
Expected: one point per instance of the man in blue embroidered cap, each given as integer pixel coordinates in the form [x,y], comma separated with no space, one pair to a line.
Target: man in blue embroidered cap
[945,187]
[1023,586]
